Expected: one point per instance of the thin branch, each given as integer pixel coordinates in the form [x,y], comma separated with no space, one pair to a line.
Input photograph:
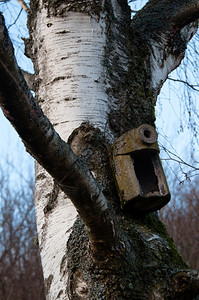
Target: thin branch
[177,159]
[185,82]
[24,6]
[180,162]
[16,19]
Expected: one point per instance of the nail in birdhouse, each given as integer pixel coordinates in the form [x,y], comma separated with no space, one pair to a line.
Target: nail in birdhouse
[138,171]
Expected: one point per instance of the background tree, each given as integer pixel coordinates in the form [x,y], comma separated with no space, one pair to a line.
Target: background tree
[20,268]
[182,221]
[92,62]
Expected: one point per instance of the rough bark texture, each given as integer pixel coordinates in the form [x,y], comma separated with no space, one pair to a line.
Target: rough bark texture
[97,75]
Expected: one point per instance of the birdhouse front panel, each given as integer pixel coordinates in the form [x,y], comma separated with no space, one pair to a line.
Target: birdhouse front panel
[138,171]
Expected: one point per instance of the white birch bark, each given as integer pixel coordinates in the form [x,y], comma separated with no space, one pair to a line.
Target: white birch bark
[53,232]
[73,88]
[71,70]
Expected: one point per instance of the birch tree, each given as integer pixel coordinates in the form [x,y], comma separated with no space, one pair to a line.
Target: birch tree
[97,76]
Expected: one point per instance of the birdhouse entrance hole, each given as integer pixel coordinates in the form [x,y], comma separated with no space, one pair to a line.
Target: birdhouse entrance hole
[144,170]
[147,134]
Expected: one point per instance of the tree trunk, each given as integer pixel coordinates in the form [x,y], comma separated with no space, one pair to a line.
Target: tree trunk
[97,76]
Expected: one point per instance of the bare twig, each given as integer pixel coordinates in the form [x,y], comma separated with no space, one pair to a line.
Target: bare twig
[177,159]
[24,6]
[16,19]
[193,86]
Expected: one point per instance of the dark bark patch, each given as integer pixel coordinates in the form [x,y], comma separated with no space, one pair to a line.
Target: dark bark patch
[52,199]
[63,32]
[63,262]
[47,283]
[78,286]
[41,176]
[58,78]
[69,98]
[61,8]
[59,296]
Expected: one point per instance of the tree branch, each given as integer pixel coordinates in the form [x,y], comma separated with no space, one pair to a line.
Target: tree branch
[164,28]
[24,6]
[165,16]
[44,143]
[187,12]
[185,284]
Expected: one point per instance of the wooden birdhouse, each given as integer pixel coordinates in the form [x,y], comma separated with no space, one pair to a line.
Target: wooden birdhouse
[138,171]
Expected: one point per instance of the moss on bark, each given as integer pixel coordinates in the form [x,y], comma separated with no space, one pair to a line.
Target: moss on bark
[145,257]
